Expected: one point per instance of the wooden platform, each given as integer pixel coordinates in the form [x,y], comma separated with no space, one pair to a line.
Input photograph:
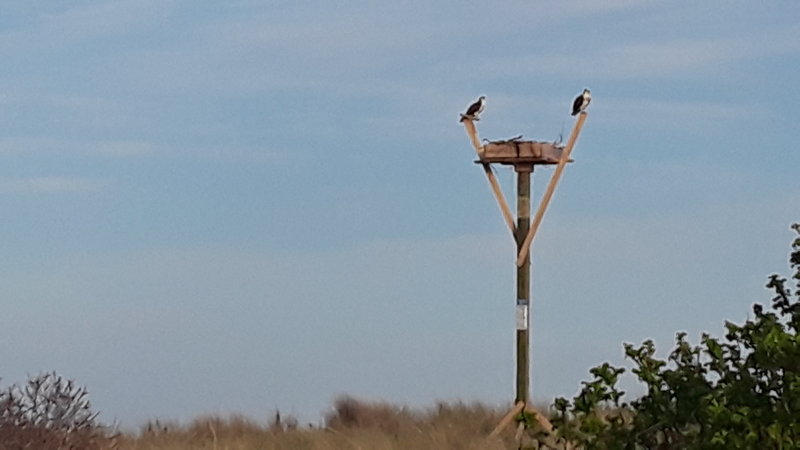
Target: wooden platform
[520,152]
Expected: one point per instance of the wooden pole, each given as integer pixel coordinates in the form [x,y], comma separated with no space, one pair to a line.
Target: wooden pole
[525,247]
[523,282]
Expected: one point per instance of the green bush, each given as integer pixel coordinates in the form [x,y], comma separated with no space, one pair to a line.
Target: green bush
[739,391]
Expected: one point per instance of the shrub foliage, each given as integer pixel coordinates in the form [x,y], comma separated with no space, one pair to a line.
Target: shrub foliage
[738,391]
[49,412]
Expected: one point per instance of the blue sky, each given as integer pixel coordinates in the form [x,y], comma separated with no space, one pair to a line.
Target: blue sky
[215,207]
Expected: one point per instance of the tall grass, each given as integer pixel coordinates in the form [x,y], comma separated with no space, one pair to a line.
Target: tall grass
[49,412]
[351,424]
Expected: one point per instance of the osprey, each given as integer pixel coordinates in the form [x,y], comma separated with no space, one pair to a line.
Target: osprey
[581,102]
[474,109]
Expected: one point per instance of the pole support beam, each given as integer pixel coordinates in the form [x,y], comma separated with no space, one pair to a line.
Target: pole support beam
[501,200]
[472,132]
[551,187]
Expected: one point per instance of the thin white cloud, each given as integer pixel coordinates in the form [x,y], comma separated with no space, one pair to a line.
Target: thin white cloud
[34,145]
[559,12]
[93,111]
[102,19]
[690,56]
[74,103]
[135,149]
[319,47]
[685,114]
[259,53]
[51,185]
[121,148]
[687,57]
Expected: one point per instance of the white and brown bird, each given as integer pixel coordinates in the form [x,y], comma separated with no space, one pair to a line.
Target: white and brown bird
[581,102]
[474,110]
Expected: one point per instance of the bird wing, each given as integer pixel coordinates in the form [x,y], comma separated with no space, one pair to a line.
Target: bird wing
[473,108]
[576,105]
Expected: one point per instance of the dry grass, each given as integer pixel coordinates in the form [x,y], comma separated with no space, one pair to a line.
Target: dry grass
[352,424]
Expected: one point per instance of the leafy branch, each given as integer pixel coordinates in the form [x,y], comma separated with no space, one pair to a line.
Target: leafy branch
[738,391]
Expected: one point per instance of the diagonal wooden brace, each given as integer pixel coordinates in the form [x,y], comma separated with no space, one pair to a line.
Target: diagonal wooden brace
[511,415]
[551,187]
[498,194]
[472,132]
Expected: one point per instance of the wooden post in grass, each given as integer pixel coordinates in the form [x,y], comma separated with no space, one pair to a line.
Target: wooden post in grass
[523,282]
[524,156]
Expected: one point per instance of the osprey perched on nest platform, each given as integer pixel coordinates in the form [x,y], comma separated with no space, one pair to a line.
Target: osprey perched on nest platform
[474,109]
[580,103]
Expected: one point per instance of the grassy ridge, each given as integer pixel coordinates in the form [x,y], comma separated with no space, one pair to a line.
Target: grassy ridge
[353,424]
[50,412]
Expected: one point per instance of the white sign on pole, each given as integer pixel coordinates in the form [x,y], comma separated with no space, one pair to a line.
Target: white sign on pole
[522,314]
